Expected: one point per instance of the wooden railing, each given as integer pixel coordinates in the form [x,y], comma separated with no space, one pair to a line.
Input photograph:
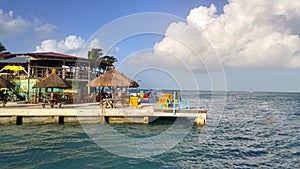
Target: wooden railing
[64,97]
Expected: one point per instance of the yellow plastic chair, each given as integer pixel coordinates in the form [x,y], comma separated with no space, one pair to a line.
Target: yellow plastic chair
[133,101]
[163,102]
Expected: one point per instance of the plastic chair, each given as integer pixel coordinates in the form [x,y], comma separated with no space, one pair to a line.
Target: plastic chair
[163,102]
[183,105]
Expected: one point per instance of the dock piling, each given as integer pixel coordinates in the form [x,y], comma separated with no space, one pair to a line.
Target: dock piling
[19,120]
[61,119]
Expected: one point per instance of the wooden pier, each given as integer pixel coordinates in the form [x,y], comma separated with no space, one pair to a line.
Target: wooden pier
[91,113]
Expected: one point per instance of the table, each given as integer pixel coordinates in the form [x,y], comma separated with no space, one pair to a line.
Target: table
[111,103]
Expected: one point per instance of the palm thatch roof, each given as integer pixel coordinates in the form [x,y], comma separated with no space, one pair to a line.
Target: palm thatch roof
[53,81]
[5,83]
[112,78]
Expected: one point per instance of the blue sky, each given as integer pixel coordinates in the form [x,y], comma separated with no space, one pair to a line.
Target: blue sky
[257,49]
[83,18]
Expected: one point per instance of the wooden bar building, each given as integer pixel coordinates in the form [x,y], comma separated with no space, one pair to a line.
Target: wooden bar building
[27,69]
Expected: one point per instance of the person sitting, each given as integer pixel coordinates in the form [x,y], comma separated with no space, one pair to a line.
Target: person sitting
[63,98]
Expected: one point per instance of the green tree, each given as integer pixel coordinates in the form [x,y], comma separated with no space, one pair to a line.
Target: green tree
[95,54]
[110,59]
[2,48]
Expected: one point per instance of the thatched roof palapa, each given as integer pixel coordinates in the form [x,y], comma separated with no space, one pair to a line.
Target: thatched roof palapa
[53,81]
[5,83]
[112,78]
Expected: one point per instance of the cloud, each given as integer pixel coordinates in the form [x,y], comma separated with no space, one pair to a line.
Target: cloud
[72,44]
[94,43]
[11,25]
[249,34]
[44,31]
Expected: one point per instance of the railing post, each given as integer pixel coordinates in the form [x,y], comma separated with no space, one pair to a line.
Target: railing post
[174,103]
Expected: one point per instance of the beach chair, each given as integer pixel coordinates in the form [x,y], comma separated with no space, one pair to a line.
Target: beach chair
[141,94]
[171,98]
[134,101]
[183,105]
[163,102]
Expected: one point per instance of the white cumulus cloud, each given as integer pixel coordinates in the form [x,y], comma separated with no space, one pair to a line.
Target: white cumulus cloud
[72,44]
[11,24]
[249,34]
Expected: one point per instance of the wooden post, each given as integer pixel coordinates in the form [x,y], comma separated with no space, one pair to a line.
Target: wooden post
[51,94]
[89,78]
[174,103]
[112,92]
[64,73]
[19,120]
[39,92]
[61,119]
[64,70]
[28,82]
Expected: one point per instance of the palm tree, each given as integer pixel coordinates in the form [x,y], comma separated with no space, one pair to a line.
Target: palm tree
[95,54]
[110,59]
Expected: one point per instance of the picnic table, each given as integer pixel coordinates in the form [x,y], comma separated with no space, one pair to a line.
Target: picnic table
[52,102]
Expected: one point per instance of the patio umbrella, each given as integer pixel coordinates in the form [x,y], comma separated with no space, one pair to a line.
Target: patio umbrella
[5,83]
[53,81]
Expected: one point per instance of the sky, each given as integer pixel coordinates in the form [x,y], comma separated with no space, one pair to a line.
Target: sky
[191,44]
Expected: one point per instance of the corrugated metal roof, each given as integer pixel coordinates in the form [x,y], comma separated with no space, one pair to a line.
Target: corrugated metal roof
[40,54]
[48,55]
[51,54]
[5,55]
[15,60]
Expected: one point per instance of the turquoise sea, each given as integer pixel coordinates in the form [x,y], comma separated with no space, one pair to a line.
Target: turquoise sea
[243,130]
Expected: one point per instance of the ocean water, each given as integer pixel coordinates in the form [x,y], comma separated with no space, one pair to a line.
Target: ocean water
[243,130]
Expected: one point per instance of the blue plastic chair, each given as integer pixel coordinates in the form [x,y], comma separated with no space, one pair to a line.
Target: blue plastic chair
[183,105]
